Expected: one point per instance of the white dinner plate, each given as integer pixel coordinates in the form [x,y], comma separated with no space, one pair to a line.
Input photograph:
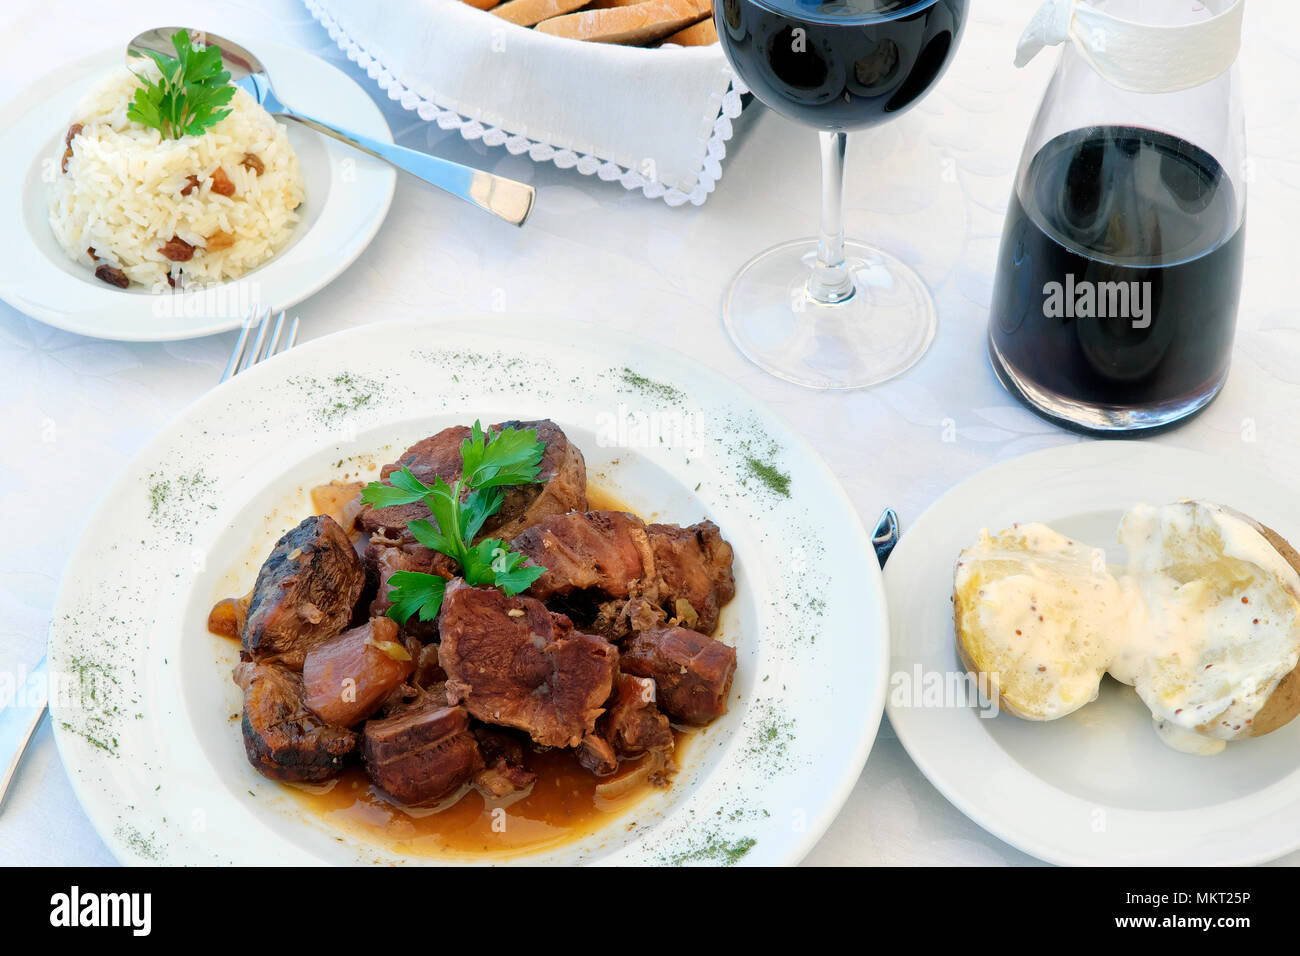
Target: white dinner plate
[347,195]
[1097,787]
[156,757]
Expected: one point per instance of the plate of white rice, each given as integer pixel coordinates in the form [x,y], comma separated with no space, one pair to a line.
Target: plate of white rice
[136,237]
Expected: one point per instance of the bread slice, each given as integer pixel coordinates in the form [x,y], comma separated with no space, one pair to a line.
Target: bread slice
[703,33]
[526,13]
[643,22]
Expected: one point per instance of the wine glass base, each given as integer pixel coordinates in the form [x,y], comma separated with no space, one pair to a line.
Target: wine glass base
[879,331]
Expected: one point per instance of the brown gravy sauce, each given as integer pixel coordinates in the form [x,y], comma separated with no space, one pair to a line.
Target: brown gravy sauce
[563,805]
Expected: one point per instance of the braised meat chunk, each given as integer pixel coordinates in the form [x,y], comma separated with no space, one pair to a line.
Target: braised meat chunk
[692,565]
[632,722]
[422,755]
[514,663]
[282,738]
[426,683]
[305,593]
[692,672]
[428,672]
[596,754]
[349,676]
[561,486]
[503,773]
[640,575]
[604,551]
[631,726]
[384,557]
[437,456]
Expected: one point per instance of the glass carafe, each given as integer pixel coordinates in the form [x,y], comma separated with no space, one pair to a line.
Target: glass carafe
[1120,267]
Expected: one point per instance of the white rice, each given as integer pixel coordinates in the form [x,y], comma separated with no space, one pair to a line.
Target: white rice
[121,194]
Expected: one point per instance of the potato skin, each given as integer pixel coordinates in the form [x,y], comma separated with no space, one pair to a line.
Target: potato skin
[1283,704]
[1279,710]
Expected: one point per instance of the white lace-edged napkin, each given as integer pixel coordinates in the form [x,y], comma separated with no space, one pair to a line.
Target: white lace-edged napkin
[656,120]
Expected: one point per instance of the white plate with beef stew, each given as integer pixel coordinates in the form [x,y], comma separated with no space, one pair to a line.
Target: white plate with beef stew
[149,723]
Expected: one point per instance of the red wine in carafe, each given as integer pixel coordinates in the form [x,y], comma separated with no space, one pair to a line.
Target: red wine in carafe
[1119,273]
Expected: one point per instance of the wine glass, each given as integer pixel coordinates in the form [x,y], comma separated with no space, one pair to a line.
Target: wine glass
[828,312]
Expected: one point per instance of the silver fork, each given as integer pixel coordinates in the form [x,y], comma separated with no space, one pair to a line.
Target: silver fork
[242,358]
[18,721]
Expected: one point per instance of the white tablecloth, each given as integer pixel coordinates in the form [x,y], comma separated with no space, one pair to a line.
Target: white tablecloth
[932,187]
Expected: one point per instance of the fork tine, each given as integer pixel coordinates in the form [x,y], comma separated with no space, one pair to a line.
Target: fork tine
[264,345]
[254,354]
[274,345]
[264,341]
[241,343]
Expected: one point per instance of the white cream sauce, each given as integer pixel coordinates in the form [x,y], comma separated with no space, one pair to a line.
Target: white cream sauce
[1187,741]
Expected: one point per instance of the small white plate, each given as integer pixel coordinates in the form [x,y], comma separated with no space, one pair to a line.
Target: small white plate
[1097,787]
[347,198]
[156,759]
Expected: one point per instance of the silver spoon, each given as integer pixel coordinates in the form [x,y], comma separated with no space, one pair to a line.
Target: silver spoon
[506,198]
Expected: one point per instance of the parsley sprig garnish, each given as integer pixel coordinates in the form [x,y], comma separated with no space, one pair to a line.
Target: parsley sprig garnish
[191,94]
[488,463]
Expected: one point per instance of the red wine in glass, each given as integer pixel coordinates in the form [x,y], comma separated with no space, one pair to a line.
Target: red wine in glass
[825,312]
[844,65]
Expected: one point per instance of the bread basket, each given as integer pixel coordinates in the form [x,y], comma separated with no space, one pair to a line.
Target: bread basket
[654,119]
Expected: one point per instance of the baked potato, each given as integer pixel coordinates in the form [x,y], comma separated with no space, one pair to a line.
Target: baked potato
[1035,613]
[1204,621]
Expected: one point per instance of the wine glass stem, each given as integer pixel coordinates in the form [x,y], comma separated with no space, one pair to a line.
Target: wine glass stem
[831,282]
